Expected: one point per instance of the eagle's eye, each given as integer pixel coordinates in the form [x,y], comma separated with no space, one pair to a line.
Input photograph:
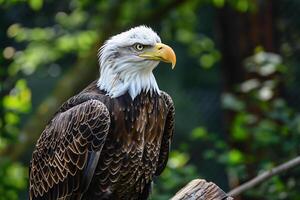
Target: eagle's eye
[138,47]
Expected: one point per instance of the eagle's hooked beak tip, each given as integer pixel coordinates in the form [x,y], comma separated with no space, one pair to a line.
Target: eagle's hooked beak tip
[173,65]
[161,52]
[166,53]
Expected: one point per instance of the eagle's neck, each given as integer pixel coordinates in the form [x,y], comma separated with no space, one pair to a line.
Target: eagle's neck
[117,80]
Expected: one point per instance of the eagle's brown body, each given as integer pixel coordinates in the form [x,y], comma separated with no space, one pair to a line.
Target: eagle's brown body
[97,147]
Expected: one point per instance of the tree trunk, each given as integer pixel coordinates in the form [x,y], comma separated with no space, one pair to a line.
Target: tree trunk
[238,35]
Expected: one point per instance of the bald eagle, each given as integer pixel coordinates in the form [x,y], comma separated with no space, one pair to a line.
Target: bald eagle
[110,140]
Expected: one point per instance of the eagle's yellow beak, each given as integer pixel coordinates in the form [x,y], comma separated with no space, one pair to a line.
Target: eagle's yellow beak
[161,52]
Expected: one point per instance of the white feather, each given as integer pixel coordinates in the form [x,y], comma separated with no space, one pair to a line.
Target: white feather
[121,70]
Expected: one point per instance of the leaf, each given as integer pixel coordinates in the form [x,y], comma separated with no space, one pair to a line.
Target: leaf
[36,4]
[219,3]
[177,159]
[199,132]
[207,60]
[19,99]
[229,101]
[235,157]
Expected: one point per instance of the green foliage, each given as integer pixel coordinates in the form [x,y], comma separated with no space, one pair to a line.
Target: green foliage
[177,174]
[16,103]
[200,47]
[240,5]
[19,98]
[199,133]
[13,175]
[36,4]
[56,35]
[264,131]
[13,178]
[43,38]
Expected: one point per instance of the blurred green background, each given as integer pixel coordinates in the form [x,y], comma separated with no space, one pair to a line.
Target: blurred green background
[235,86]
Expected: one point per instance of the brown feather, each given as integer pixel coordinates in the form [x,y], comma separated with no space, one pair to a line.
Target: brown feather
[67,156]
[132,138]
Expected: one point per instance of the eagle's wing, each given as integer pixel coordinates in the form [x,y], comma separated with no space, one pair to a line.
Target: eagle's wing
[67,152]
[168,134]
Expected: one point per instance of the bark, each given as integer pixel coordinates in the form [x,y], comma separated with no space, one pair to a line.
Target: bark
[203,190]
[200,189]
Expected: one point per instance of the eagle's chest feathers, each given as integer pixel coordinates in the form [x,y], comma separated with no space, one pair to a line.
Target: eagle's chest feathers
[142,118]
[137,123]
[132,148]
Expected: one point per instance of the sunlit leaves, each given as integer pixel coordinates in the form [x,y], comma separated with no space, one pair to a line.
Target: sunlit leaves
[187,11]
[239,126]
[3,143]
[177,159]
[200,46]
[264,123]
[13,178]
[8,3]
[199,133]
[249,85]
[126,12]
[266,133]
[230,101]
[17,102]
[234,157]
[183,25]
[35,55]
[13,30]
[19,98]
[36,4]
[176,175]
[218,3]
[9,52]
[74,20]
[185,36]
[264,63]
[74,42]
[240,5]
[12,118]
[22,34]
[46,45]
[34,47]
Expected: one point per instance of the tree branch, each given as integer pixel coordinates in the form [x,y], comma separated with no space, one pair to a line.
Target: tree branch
[200,189]
[265,175]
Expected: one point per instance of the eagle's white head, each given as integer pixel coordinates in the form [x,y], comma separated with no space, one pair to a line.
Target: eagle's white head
[128,59]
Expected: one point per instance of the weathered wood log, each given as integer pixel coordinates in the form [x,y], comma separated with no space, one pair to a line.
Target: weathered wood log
[200,189]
